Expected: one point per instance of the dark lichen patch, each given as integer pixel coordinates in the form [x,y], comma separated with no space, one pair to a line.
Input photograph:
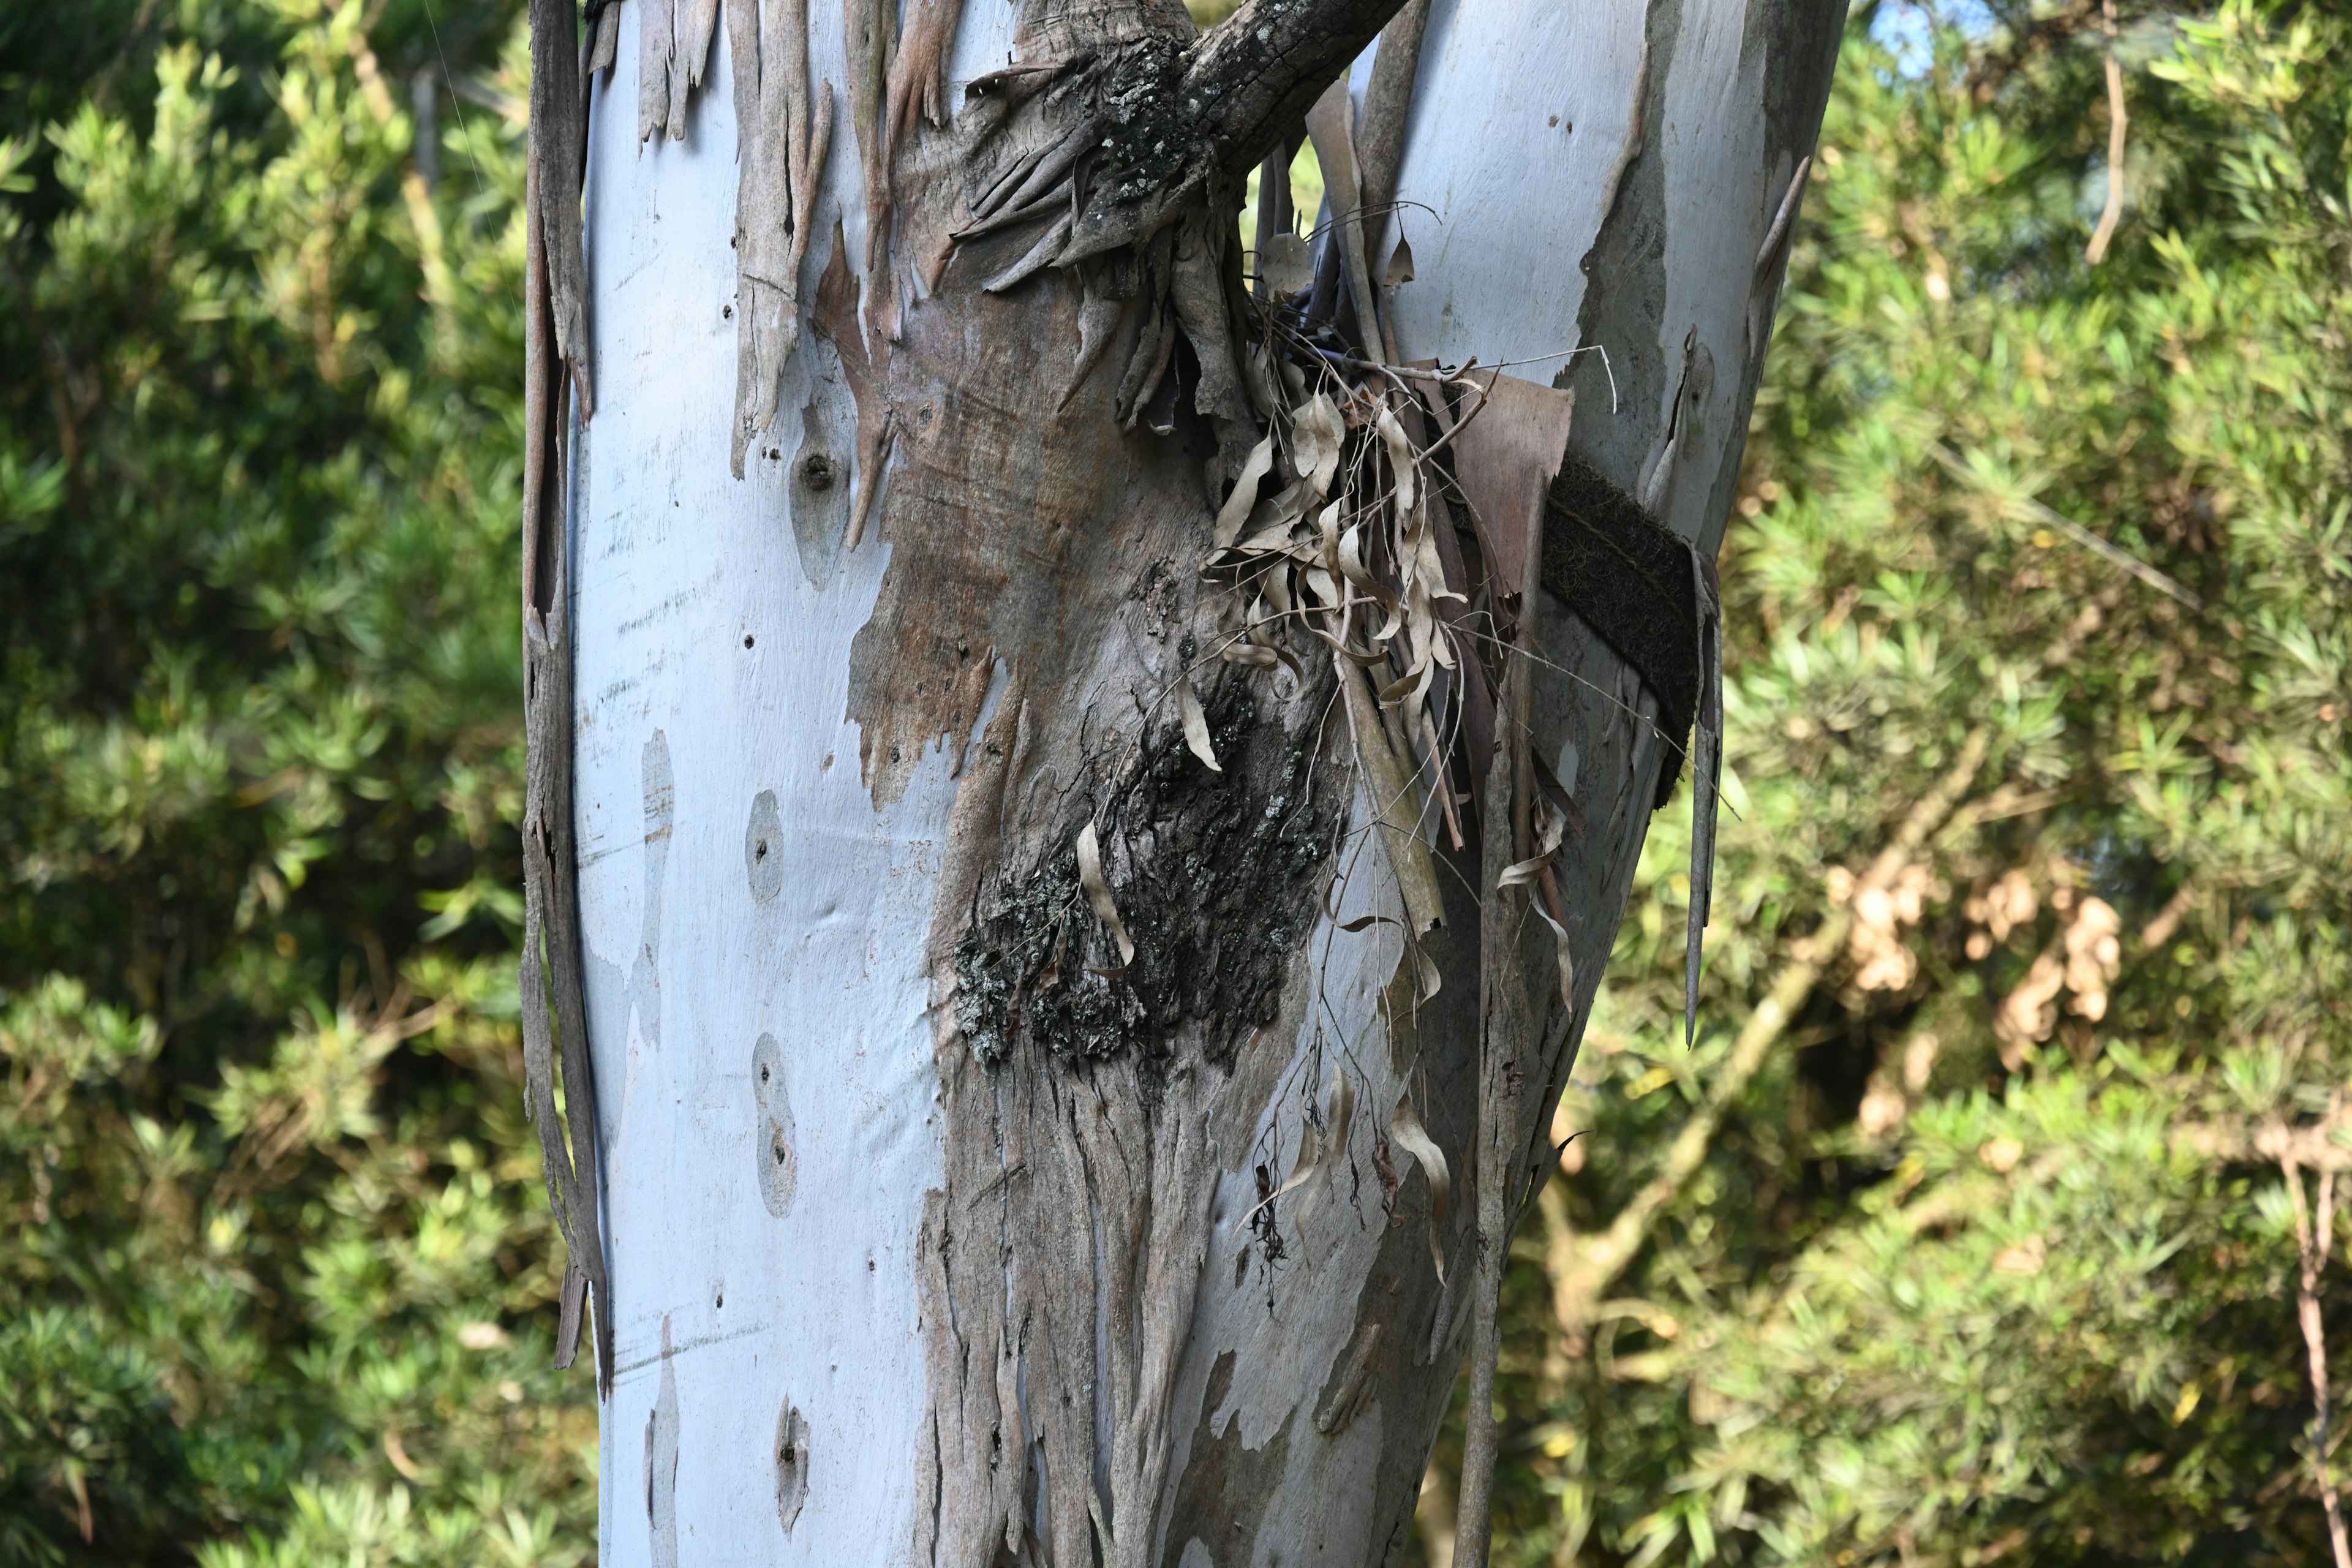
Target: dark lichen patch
[1215,876]
[1152,134]
[1162,601]
[1042,968]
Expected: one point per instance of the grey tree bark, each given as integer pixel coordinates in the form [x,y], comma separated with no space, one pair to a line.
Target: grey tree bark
[1085,778]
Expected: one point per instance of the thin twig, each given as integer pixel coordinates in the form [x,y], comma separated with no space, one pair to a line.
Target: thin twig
[2096,251]
[2112,555]
[2314,1249]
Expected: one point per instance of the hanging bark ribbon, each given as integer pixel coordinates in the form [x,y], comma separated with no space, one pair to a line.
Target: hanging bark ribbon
[554,1010]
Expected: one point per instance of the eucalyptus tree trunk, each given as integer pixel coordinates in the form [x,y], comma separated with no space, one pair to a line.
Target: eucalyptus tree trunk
[1085,775]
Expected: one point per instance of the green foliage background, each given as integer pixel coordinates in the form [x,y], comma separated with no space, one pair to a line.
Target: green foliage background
[1894,1282]
[274,1264]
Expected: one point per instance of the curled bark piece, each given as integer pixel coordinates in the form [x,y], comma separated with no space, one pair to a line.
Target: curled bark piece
[1785,216]
[1338,1120]
[1505,1044]
[919,75]
[556,141]
[767,42]
[681,95]
[1330,124]
[1379,138]
[1197,292]
[554,992]
[1347,1400]
[865,365]
[605,21]
[866,39]
[999,190]
[694,24]
[1039,190]
[1040,256]
[1276,221]
[1504,458]
[654,47]
[1098,317]
[1155,340]
[808,170]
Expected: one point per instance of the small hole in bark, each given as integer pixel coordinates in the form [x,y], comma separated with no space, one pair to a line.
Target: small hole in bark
[759,852]
[727,311]
[792,1465]
[763,1072]
[747,639]
[776,1147]
[718,1302]
[816,471]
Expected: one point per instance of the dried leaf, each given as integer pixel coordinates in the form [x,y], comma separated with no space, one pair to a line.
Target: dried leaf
[1400,267]
[1567,959]
[1407,1133]
[1310,1156]
[1432,981]
[1285,266]
[1315,433]
[1316,1154]
[1400,459]
[1547,847]
[1397,803]
[1237,506]
[1364,922]
[1196,724]
[1275,541]
[1090,878]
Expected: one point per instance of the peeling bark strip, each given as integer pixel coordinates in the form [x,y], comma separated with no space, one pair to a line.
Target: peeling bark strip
[554,1007]
[556,127]
[780,153]
[673,57]
[1178,679]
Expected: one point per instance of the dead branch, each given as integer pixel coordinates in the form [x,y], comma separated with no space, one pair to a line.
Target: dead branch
[2312,1245]
[1268,63]
[2112,213]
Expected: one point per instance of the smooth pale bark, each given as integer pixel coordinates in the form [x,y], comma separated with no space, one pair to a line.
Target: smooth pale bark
[877,1301]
